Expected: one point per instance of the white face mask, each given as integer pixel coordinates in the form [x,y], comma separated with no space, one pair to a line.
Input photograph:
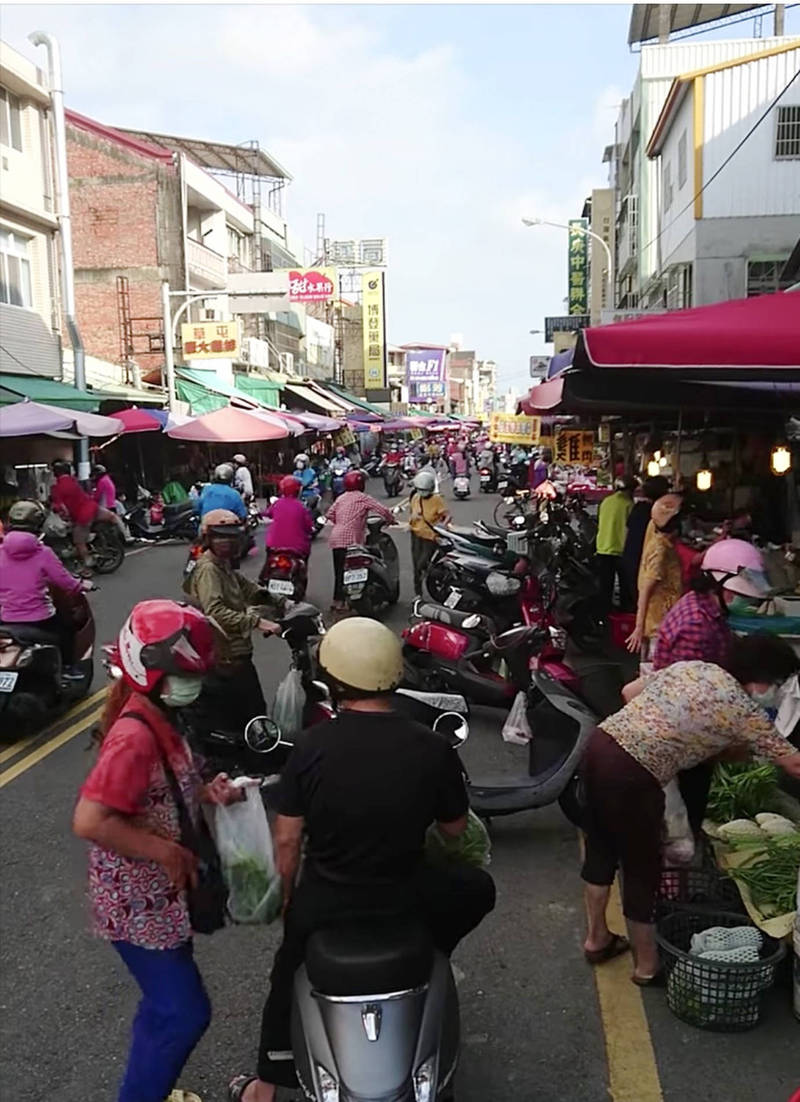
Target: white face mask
[180,690]
[767,699]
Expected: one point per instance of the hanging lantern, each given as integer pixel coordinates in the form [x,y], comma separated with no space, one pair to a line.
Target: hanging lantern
[653,468]
[662,461]
[703,479]
[780,459]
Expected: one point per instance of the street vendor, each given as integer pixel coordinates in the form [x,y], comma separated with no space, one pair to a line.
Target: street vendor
[688,713]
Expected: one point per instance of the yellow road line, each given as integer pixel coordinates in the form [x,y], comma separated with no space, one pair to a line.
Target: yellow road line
[77,709]
[12,751]
[632,1068]
[41,752]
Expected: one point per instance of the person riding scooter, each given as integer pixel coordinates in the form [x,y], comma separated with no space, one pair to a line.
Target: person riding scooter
[232,693]
[292,524]
[307,476]
[242,479]
[70,499]
[348,515]
[362,789]
[220,494]
[338,468]
[28,570]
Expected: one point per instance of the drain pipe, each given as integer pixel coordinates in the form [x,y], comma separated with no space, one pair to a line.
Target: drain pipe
[42,38]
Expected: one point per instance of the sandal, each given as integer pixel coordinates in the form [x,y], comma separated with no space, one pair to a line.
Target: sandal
[615,948]
[656,980]
[238,1085]
[183,1096]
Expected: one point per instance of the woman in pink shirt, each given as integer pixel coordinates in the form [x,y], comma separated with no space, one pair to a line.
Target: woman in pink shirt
[292,523]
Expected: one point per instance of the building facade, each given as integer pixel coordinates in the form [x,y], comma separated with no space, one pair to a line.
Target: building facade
[29,269]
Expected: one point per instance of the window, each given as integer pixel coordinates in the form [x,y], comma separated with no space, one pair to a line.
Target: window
[10,120]
[667,185]
[678,289]
[764,276]
[682,166]
[787,133]
[15,270]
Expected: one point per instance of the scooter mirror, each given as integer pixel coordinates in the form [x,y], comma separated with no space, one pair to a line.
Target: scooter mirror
[322,689]
[454,727]
[262,735]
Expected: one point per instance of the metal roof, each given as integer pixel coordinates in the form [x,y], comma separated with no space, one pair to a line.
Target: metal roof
[644,17]
[245,159]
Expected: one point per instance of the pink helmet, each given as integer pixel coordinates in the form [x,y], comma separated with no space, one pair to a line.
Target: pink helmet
[739,566]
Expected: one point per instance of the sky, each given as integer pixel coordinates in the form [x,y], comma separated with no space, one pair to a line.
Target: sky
[436,126]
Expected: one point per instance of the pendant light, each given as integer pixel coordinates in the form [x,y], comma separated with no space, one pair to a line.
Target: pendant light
[780,459]
[704,478]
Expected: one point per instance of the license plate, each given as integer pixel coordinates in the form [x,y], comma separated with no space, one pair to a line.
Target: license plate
[452,599]
[8,680]
[485,477]
[281,587]
[354,577]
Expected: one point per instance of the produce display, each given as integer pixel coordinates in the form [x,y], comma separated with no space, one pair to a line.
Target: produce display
[771,873]
[740,790]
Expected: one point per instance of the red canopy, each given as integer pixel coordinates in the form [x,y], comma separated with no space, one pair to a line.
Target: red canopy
[138,420]
[229,425]
[761,334]
[543,398]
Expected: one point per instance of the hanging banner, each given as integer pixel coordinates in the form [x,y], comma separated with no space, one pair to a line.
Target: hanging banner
[312,284]
[578,266]
[210,340]
[575,446]
[374,324]
[513,428]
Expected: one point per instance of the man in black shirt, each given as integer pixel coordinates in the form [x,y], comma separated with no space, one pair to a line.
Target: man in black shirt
[363,788]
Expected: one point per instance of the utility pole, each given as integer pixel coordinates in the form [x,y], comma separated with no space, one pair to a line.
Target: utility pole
[780,10]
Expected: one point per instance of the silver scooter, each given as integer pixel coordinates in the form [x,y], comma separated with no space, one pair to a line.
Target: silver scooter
[375,1011]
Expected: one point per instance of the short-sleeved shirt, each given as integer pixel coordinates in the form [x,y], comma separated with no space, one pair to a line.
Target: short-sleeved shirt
[348,515]
[612,519]
[660,563]
[695,629]
[69,496]
[368,785]
[132,899]
[424,513]
[688,713]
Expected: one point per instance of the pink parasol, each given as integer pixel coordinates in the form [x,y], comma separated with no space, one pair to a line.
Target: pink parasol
[230,425]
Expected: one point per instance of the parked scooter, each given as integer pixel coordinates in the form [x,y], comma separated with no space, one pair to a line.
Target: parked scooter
[284,575]
[372,571]
[33,687]
[178,521]
[487,479]
[105,545]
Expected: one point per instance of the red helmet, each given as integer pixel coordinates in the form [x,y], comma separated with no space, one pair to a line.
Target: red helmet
[290,486]
[161,637]
[354,480]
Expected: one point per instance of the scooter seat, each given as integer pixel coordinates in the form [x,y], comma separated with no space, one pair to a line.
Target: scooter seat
[501,533]
[23,631]
[482,538]
[369,959]
[452,617]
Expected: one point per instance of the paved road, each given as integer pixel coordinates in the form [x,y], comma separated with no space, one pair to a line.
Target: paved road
[535,1025]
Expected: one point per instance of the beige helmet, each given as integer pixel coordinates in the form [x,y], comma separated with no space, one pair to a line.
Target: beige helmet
[362,654]
[218,518]
[665,509]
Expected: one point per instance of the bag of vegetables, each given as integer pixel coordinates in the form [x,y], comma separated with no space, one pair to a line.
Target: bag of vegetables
[470,848]
[243,839]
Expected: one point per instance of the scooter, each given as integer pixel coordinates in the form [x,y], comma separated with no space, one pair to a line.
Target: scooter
[284,575]
[180,522]
[487,479]
[372,571]
[33,687]
[337,469]
[461,487]
[105,545]
[392,479]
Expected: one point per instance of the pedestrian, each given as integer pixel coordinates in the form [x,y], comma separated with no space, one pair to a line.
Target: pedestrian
[688,713]
[638,519]
[140,867]
[242,479]
[539,469]
[220,494]
[426,508]
[292,523]
[348,515]
[69,498]
[612,518]
[363,789]
[659,581]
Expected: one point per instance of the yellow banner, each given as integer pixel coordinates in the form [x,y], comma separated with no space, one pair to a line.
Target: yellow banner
[374,323]
[575,446]
[210,340]
[513,428]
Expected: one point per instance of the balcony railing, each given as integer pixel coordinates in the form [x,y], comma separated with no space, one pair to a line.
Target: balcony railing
[205,265]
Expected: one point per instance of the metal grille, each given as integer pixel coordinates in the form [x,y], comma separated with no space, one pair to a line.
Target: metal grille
[518,543]
[787,133]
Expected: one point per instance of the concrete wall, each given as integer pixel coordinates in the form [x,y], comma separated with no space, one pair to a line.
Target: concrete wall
[723,246]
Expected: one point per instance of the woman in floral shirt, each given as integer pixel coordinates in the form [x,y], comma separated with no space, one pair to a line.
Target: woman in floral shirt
[138,868]
[685,714]
[659,583]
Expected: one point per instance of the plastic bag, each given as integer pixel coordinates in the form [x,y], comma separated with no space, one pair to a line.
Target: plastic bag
[516,728]
[678,837]
[244,842]
[290,700]
[55,526]
[473,847]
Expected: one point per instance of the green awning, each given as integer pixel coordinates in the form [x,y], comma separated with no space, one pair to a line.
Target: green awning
[362,403]
[259,387]
[200,399]
[50,391]
[205,391]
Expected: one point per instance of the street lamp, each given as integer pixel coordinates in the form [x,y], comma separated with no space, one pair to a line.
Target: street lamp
[587,233]
[535,332]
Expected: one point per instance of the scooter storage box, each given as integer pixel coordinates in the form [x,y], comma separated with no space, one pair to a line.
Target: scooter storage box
[447,643]
[622,624]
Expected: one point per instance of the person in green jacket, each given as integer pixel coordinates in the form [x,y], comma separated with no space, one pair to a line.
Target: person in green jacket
[612,519]
[174,493]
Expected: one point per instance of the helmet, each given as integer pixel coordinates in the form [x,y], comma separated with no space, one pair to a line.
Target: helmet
[665,509]
[425,482]
[219,518]
[362,654]
[163,637]
[61,466]
[26,516]
[301,460]
[239,458]
[739,566]
[354,480]
[98,470]
[224,473]
[289,486]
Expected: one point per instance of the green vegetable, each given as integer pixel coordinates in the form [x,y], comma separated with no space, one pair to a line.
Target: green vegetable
[741,790]
[249,884]
[739,828]
[470,848]
[771,875]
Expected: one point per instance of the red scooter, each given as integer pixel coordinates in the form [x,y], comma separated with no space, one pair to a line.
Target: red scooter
[284,575]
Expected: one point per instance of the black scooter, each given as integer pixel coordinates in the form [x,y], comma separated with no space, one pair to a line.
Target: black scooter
[180,522]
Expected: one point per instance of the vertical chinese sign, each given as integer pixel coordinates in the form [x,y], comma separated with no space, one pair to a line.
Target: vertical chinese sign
[578,266]
[374,323]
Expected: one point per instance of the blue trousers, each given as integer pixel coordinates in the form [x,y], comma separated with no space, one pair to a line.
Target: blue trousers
[172,1016]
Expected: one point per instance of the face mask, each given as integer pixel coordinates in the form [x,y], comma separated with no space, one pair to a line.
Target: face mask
[180,690]
[740,605]
[767,699]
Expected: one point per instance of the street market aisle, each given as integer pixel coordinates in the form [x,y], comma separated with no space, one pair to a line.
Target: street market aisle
[531,1021]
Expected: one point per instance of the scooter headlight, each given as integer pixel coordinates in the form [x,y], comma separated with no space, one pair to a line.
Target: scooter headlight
[424,1081]
[328,1087]
[501,586]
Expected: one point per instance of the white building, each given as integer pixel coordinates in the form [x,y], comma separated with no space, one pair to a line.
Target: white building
[29,295]
[728,218]
[635,177]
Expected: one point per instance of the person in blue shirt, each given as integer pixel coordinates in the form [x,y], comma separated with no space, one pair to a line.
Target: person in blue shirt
[306,475]
[220,494]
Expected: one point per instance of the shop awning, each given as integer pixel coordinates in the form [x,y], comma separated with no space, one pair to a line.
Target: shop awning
[725,339]
[318,423]
[313,398]
[259,387]
[28,344]
[205,391]
[543,398]
[138,420]
[28,418]
[230,426]
[39,389]
[360,403]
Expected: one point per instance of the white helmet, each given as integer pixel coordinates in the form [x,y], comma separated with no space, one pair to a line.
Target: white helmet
[301,460]
[240,459]
[425,482]
[363,655]
[224,473]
